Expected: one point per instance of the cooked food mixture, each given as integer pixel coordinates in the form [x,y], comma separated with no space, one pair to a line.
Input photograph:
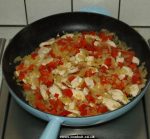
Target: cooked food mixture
[81,74]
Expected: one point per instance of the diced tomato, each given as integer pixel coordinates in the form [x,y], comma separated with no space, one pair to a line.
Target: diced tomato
[128,56]
[20,67]
[38,96]
[83,42]
[56,95]
[120,64]
[65,113]
[22,75]
[26,86]
[90,98]
[31,67]
[105,37]
[83,85]
[71,77]
[40,105]
[114,52]
[133,66]
[44,71]
[89,73]
[52,54]
[67,92]
[45,80]
[96,54]
[62,41]
[108,62]
[102,108]
[52,65]
[136,78]
[104,80]
[82,109]
[103,69]
[34,55]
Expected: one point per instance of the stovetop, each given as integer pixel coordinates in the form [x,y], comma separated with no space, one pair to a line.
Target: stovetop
[16,123]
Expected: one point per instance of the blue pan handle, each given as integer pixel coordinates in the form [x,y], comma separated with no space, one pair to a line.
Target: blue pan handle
[94,9]
[52,129]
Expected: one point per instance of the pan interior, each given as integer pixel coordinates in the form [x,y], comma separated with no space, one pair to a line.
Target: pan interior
[28,39]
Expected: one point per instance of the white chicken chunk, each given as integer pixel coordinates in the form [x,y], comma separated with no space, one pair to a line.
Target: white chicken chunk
[111,104]
[78,94]
[133,90]
[43,91]
[135,60]
[111,43]
[54,89]
[49,42]
[89,82]
[76,82]
[120,59]
[127,71]
[67,35]
[92,37]
[43,51]
[118,95]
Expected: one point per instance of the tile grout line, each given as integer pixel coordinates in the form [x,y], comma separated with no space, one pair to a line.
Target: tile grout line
[145,117]
[26,13]
[6,115]
[119,6]
[71,5]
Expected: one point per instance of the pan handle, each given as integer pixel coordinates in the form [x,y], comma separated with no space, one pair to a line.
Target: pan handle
[95,9]
[52,129]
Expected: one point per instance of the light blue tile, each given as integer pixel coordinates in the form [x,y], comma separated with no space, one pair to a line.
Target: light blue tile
[9,32]
[145,32]
[111,6]
[12,12]
[135,12]
[41,8]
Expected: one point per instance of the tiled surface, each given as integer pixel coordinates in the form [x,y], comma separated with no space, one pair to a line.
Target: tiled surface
[135,12]
[37,9]
[112,6]
[145,32]
[12,12]
[9,32]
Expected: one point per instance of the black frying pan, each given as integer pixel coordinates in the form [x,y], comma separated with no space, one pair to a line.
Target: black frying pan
[30,37]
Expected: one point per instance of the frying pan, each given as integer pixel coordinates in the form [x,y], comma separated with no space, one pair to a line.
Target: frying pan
[28,39]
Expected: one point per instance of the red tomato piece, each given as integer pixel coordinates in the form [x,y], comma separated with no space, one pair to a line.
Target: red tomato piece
[56,95]
[40,105]
[136,78]
[101,108]
[114,52]
[90,98]
[89,73]
[70,78]
[103,69]
[83,109]
[104,80]
[20,67]
[34,55]
[22,75]
[65,113]
[52,54]
[45,80]
[108,62]
[105,37]
[43,70]
[26,86]
[67,92]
